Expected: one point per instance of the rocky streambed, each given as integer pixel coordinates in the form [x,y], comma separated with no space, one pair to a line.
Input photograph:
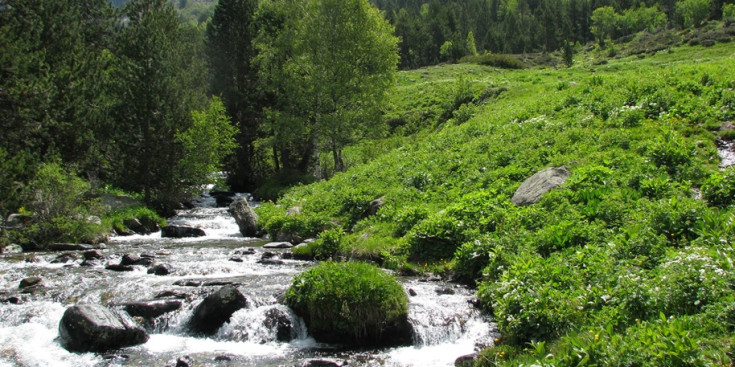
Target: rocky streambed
[163,284]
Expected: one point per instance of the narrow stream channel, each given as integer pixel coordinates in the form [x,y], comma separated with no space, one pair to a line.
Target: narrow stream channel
[445,325]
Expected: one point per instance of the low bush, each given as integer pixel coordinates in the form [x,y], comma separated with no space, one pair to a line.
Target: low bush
[719,188]
[147,217]
[436,237]
[496,60]
[351,303]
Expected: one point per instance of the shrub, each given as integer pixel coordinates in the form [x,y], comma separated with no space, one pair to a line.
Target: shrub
[328,244]
[687,282]
[496,60]
[436,238]
[671,152]
[534,299]
[677,219]
[351,303]
[147,217]
[61,209]
[719,189]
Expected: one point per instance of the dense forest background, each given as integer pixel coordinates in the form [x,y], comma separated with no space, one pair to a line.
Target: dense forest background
[152,96]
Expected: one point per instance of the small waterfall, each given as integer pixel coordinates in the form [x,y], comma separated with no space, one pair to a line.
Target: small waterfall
[726,151]
[445,326]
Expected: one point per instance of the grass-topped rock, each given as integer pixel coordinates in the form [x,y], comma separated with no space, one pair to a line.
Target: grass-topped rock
[351,303]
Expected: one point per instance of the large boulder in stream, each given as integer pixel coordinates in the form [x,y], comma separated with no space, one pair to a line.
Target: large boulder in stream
[245,217]
[534,187]
[94,328]
[181,232]
[216,309]
[151,309]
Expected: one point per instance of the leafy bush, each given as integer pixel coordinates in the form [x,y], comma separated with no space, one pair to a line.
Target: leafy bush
[61,209]
[533,299]
[687,282]
[147,217]
[671,152]
[328,244]
[351,303]
[436,238]
[496,60]
[719,189]
[676,219]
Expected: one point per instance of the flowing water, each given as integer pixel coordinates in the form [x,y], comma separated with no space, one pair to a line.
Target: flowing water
[445,326]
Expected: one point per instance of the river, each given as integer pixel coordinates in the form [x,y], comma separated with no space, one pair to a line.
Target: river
[446,326]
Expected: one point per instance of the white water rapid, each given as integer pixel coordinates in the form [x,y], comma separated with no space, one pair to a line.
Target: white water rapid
[446,326]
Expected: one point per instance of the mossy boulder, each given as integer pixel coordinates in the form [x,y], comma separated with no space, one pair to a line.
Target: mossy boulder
[351,303]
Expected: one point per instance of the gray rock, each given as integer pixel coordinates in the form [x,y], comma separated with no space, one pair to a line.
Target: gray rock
[94,219]
[270,262]
[181,232]
[151,309]
[294,210]
[85,328]
[131,259]
[466,360]
[534,187]
[70,247]
[18,220]
[11,249]
[92,255]
[30,282]
[324,363]
[374,206]
[160,269]
[64,258]
[118,267]
[184,361]
[245,217]
[280,321]
[216,309]
[278,245]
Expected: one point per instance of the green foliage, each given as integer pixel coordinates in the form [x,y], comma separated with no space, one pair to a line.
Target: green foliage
[147,217]
[60,206]
[328,244]
[676,219]
[719,188]
[728,12]
[693,12]
[206,143]
[352,303]
[436,237]
[496,60]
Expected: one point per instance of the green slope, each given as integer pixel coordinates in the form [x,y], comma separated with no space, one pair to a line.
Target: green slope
[625,264]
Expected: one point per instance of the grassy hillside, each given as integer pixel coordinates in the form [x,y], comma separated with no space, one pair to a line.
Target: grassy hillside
[630,262]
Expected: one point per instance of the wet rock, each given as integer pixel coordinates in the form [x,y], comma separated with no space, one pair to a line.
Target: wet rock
[287,255]
[12,300]
[534,187]
[222,358]
[92,255]
[89,263]
[129,259]
[11,249]
[268,255]
[466,360]
[219,283]
[161,269]
[95,328]
[181,232]
[136,226]
[324,363]
[431,278]
[70,247]
[188,283]
[184,361]
[151,309]
[118,267]
[245,217]
[412,292]
[274,245]
[223,198]
[236,259]
[216,309]
[280,321]
[245,251]
[64,258]
[444,291]
[33,259]
[270,262]
[171,294]
[30,282]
